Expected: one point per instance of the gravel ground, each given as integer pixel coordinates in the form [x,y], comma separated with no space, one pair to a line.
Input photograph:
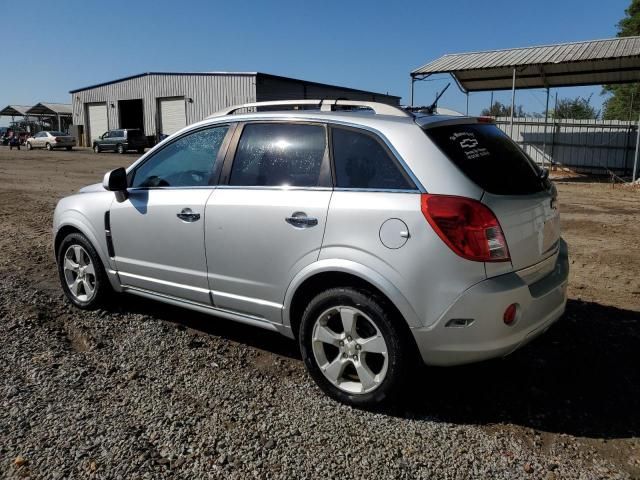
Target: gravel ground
[142,390]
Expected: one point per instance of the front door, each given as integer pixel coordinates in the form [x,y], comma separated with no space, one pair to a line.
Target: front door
[158,231]
[267,222]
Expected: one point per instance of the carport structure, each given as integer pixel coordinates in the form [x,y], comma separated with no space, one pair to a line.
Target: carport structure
[14,111]
[60,111]
[596,62]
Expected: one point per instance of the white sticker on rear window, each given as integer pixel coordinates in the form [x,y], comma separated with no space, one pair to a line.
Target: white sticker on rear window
[469,145]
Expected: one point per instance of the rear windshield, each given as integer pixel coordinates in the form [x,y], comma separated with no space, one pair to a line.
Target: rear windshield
[58,134]
[489,158]
[134,133]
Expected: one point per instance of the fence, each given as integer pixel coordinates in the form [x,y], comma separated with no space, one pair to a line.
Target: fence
[586,146]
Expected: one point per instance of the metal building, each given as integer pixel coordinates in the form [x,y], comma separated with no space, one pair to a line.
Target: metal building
[162,103]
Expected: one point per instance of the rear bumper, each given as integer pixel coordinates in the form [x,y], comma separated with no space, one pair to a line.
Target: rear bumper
[540,304]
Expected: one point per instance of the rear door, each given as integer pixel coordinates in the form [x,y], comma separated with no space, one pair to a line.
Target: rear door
[524,202]
[158,230]
[267,222]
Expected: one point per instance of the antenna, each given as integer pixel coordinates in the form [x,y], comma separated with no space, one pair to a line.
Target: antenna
[434,105]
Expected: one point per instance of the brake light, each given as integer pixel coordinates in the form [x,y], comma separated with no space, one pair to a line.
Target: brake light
[467,226]
[485,119]
[57,139]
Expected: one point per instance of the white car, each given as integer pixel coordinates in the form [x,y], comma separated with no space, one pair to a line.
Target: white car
[50,140]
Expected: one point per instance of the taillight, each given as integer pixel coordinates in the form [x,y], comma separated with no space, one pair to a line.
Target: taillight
[57,139]
[467,226]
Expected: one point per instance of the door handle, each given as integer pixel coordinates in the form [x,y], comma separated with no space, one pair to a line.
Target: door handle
[186,215]
[300,220]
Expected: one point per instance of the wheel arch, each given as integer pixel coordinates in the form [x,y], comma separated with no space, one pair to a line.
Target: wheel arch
[332,273]
[73,223]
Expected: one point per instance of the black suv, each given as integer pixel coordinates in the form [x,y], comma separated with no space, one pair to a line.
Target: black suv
[121,140]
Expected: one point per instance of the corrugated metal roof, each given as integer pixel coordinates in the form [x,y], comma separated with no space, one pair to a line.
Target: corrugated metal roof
[14,110]
[50,108]
[614,60]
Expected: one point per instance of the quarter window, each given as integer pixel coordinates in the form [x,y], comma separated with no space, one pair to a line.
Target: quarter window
[361,161]
[273,154]
[186,162]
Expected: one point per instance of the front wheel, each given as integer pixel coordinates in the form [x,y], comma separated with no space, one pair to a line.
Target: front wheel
[81,273]
[96,148]
[29,146]
[352,346]
[120,149]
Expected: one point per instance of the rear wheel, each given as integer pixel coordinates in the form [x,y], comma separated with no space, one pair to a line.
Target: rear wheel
[82,275]
[68,148]
[352,347]
[120,149]
[141,151]
[48,147]
[96,148]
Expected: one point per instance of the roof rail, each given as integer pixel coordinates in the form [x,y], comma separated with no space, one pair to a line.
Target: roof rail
[324,105]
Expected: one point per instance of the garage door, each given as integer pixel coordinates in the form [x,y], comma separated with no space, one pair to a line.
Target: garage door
[172,115]
[98,123]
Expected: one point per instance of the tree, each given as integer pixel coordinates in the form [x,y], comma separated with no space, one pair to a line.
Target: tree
[501,110]
[624,102]
[577,108]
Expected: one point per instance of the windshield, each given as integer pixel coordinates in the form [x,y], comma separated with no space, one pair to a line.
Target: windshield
[489,158]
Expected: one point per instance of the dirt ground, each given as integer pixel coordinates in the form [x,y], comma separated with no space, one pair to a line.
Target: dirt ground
[580,380]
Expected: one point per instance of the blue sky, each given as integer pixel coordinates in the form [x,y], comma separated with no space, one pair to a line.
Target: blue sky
[362,44]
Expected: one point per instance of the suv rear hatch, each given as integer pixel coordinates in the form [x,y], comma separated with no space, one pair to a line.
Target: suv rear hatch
[515,188]
[136,138]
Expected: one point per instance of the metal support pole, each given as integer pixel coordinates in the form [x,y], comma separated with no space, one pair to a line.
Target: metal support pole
[491,105]
[413,80]
[513,102]
[467,112]
[59,125]
[635,159]
[544,135]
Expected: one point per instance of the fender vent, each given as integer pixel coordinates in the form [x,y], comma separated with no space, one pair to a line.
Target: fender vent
[107,232]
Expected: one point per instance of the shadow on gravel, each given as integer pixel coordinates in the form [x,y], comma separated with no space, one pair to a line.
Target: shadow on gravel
[210,325]
[582,377]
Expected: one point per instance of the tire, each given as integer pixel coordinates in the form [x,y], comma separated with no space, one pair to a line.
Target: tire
[141,151]
[48,147]
[29,146]
[96,148]
[357,372]
[120,149]
[68,149]
[85,287]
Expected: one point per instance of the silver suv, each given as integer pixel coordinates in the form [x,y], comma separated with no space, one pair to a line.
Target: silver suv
[374,237]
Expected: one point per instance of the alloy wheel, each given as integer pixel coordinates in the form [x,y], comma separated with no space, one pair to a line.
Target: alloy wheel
[349,349]
[79,273]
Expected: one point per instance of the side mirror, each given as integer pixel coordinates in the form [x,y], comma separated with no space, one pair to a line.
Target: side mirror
[115,180]
[544,174]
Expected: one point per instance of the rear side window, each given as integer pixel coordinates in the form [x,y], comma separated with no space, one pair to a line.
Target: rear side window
[275,154]
[361,161]
[489,158]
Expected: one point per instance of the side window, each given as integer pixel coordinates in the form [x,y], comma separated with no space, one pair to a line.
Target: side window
[186,162]
[105,135]
[278,154]
[361,161]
